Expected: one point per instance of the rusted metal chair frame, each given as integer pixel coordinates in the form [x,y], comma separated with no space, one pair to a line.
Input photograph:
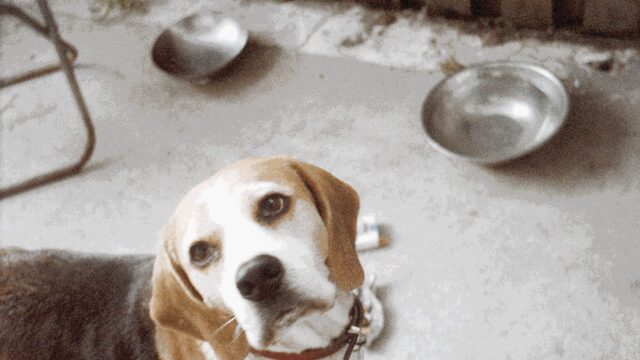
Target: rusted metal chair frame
[66,54]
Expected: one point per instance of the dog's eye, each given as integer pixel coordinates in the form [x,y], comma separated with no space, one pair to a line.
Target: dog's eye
[272,205]
[202,253]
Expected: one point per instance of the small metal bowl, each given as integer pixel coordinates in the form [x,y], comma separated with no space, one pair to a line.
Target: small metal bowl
[495,112]
[198,46]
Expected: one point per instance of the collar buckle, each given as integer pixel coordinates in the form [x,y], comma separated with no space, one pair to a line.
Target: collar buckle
[360,333]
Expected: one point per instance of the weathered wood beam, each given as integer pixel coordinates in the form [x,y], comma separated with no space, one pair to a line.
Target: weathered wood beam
[529,13]
[458,7]
[611,16]
[568,11]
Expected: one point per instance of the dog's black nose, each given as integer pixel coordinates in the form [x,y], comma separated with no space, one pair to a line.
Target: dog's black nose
[260,278]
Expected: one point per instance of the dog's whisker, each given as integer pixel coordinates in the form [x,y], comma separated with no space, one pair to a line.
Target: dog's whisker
[224,325]
[236,333]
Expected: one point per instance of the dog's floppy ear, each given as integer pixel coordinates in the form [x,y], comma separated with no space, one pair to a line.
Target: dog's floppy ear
[338,205]
[176,305]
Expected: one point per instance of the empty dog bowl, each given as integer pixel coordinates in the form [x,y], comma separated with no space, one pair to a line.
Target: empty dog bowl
[199,45]
[495,112]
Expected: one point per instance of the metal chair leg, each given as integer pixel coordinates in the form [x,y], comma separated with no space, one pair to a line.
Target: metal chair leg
[66,54]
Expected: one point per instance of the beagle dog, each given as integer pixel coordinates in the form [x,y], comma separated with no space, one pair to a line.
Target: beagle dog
[258,262]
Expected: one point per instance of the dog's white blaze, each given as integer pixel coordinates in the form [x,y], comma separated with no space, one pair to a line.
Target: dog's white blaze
[294,241]
[299,241]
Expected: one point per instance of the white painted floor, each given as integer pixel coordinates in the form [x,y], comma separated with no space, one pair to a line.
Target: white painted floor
[538,259]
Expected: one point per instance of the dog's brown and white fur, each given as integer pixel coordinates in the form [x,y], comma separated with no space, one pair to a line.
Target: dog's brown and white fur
[195,310]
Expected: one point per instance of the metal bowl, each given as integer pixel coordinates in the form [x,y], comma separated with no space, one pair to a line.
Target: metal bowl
[199,45]
[495,112]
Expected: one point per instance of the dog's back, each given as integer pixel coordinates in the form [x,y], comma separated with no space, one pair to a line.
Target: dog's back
[62,305]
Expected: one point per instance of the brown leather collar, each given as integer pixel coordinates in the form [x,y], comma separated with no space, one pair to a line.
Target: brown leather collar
[347,338]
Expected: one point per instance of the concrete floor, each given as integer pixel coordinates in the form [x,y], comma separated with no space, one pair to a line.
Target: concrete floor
[538,259]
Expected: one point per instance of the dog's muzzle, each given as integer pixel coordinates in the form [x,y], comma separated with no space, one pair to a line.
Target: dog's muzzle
[353,337]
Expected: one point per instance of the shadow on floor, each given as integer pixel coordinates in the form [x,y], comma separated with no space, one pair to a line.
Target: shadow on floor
[590,144]
[383,339]
[251,67]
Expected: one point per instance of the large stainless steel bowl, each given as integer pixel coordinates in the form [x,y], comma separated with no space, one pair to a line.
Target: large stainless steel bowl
[199,45]
[495,112]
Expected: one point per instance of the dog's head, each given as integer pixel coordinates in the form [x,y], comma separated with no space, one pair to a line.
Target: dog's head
[265,241]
